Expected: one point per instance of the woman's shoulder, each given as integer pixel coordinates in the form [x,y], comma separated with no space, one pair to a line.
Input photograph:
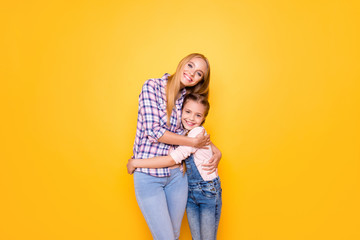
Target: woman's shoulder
[157,82]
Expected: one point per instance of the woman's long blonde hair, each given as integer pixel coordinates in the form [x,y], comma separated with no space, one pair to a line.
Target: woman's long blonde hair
[173,84]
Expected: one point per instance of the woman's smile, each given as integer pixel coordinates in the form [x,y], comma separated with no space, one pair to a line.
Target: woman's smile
[188,77]
[193,72]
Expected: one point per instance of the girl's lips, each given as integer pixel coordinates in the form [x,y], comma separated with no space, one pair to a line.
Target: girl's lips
[189,123]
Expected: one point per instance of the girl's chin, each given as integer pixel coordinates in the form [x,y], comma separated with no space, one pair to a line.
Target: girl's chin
[189,128]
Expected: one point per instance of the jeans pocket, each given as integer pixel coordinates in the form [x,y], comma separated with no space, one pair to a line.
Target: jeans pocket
[209,192]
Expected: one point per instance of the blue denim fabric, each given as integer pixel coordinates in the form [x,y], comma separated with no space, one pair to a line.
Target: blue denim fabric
[204,203]
[162,201]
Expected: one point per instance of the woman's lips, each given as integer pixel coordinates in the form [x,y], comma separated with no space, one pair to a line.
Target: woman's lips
[188,77]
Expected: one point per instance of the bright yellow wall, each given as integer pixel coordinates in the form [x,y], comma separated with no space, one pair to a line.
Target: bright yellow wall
[284,111]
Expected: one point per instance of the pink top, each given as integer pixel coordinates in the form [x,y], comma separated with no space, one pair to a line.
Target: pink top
[201,155]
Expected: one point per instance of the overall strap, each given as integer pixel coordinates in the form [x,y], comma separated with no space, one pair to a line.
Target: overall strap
[192,171]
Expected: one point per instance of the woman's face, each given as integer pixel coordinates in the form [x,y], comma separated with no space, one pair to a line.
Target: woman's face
[193,72]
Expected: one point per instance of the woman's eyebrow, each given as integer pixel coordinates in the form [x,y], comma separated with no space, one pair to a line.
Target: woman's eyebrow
[195,66]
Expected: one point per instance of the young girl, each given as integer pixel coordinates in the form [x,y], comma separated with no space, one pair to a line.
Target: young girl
[204,192]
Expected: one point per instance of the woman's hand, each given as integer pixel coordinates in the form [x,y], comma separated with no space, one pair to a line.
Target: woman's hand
[130,166]
[201,141]
[214,161]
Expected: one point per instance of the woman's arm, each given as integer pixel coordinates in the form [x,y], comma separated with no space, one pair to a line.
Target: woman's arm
[155,131]
[214,161]
[150,114]
[175,157]
[175,139]
[155,162]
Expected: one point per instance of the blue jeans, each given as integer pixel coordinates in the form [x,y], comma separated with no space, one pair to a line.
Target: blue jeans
[162,201]
[204,203]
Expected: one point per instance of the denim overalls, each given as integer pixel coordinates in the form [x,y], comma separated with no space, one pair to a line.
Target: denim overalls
[204,203]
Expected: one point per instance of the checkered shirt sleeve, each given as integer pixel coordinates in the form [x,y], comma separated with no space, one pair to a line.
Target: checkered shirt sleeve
[151,123]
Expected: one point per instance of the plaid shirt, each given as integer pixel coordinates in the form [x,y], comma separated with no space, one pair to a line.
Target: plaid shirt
[151,123]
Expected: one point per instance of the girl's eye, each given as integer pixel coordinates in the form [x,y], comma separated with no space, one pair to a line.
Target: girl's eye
[199,74]
[198,115]
[190,65]
[187,111]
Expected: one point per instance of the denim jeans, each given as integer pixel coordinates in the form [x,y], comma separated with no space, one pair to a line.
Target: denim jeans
[204,203]
[162,201]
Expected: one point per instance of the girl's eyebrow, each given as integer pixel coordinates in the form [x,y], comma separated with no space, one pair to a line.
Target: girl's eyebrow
[195,65]
[193,111]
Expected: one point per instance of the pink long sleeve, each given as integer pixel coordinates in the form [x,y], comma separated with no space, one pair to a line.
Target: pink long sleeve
[182,152]
[201,155]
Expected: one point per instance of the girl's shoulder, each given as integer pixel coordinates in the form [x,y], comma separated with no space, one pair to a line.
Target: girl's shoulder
[195,131]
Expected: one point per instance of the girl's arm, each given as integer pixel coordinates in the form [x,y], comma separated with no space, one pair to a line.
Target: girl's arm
[214,161]
[175,157]
[175,139]
[155,162]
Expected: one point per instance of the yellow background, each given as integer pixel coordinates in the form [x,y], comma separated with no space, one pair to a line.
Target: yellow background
[285,111]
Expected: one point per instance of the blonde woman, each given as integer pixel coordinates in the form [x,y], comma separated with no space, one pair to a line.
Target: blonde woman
[161,193]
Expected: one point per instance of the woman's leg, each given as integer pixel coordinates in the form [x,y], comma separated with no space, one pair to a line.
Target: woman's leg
[152,201]
[176,191]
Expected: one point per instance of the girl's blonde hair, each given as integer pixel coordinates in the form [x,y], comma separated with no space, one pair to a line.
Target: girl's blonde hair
[173,84]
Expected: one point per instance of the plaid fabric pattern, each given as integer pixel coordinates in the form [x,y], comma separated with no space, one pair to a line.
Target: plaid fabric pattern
[151,123]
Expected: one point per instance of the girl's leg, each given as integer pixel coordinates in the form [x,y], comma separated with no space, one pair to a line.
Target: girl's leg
[152,201]
[208,227]
[218,211]
[193,216]
[176,191]
[210,211]
[208,200]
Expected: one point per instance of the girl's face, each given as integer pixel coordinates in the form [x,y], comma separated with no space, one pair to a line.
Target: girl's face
[193,114]
[193,72]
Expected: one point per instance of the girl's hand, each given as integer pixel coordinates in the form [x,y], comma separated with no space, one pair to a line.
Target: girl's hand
[214,161]
[130,166]
[201,141]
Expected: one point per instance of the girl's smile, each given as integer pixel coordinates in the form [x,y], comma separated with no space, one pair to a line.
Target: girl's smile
[193,114]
